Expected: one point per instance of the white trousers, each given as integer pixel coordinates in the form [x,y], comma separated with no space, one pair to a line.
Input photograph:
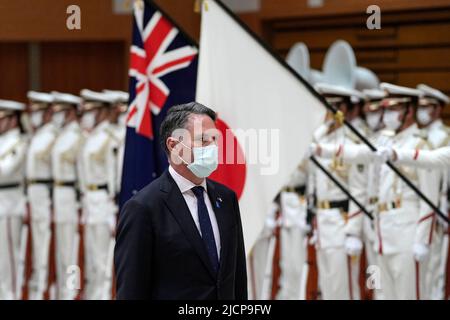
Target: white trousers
[40,207]
[338,274]
[399,273]
[259,267]
[293,258]
[41,236]
[97,241]
[10,227]
[67,270]
[436,269]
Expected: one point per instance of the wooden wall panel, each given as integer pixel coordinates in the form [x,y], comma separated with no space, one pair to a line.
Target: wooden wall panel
[276,9]
[14,71]
[70,67]
[44,20]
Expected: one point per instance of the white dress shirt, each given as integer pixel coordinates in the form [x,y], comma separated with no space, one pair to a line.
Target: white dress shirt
[185,187]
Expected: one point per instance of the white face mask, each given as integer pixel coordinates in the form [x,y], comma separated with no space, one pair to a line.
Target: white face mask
[58,118]
[423,116]
[373,120]
[391,119]
[122,119]
[206,160]
[36,118]
[88,120]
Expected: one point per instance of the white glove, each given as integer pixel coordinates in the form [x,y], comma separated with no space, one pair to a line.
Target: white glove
[420,251]
[383,154]
[313,239]
[353,246]
[304,227]
[271,223]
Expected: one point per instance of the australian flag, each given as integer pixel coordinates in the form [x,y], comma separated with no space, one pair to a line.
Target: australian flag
[163,73]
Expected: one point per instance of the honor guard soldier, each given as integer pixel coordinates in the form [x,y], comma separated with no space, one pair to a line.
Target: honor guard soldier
[338,223]
[118,130]
[359,154]
[436,134]
[39,190]
[65,194]
[293,236]
[404,221]
[13,146]
[97,182]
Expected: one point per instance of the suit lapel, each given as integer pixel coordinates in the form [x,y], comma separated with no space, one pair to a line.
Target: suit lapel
[179,209]
[222,217]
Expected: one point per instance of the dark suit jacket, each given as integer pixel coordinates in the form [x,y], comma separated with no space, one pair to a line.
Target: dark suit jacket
[160,254]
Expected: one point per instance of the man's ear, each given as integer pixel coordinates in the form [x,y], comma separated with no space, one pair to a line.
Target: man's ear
[171,143]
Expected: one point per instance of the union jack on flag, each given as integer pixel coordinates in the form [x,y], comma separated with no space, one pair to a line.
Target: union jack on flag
[151,58]
[163,73]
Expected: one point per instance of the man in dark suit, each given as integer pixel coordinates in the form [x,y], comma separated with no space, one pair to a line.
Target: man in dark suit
[181,236]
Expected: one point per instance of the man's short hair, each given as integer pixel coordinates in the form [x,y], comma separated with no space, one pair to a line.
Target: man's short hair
[177,117]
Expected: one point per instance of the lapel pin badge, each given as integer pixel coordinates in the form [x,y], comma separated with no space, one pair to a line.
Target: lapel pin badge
[218,201]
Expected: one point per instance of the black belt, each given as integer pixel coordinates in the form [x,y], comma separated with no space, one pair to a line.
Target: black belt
[340,204]
[10,186]
[65,184]
[300,190]
[94,187]
[41,181]
[343,204]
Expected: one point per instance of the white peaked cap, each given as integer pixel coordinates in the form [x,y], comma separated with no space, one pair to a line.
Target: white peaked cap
[90,95]
[298,59]
[12,105]
[339,65]
[433,93]
[392,89]
[366,79]
[65,98]
[374,94]
[118,96]
[325,88]
[40,96]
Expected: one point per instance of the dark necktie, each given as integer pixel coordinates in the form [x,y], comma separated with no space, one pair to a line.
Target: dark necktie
[206,227]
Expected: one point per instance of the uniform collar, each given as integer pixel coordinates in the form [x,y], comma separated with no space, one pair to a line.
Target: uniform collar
[358,123]
[49,126]
[411,130]
[183,183]
[12,132]
[102,125]
[436,124]
[71,125]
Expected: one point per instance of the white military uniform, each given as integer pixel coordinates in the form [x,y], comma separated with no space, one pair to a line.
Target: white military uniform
[293,237]
[336,217]
[337,270]
[118,132]
[403,221]
[65,200]
[261,256]
[12,207]
[368,178]
[97,182]
[437,137]
[40,183]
